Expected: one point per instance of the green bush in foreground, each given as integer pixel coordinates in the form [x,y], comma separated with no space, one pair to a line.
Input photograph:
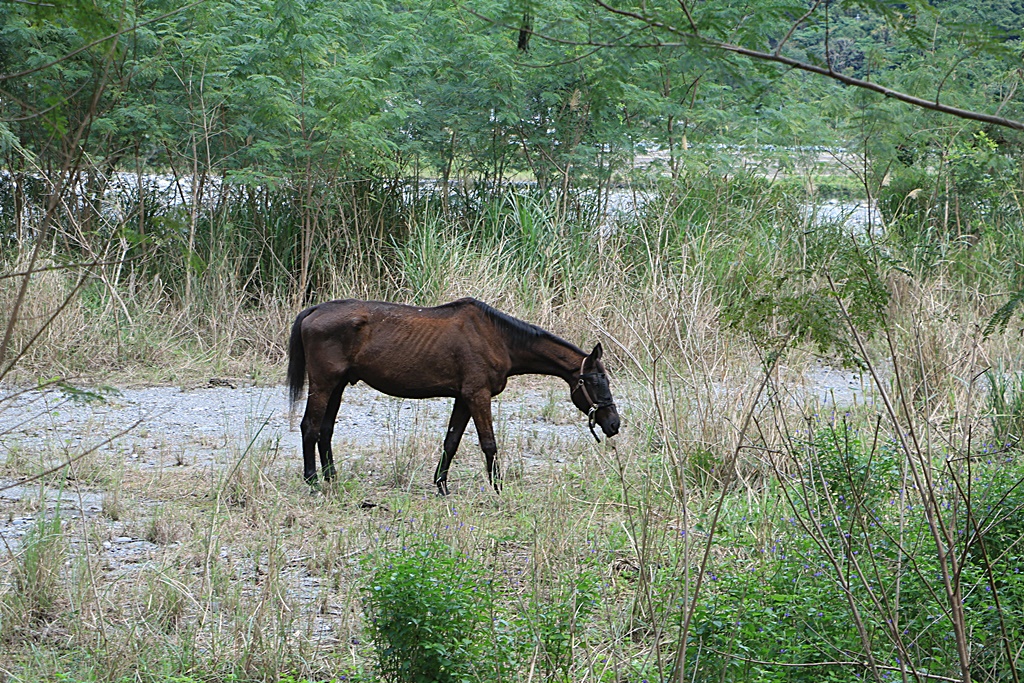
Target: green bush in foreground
[429,614]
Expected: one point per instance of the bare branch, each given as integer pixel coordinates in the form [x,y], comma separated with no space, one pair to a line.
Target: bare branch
[730,472]
[795,26]
[689,17]
[653,23]
[66,266]
[960,60]
[69,298]
[41,112]
[810,665]
[815,69]
[828,47]
[70,165]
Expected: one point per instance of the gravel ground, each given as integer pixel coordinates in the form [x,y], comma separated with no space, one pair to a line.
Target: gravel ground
[197,425]
[201,430]
[206,428]
[175,444]
[203,426]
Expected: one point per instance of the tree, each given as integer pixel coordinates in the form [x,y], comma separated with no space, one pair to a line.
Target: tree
[952,37]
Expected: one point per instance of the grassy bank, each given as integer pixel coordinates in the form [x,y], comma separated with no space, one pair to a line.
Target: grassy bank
[736,530]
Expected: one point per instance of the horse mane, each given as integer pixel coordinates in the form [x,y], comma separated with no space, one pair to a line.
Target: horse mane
[515,329]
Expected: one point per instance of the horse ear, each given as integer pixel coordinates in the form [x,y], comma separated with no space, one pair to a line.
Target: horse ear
[596,353]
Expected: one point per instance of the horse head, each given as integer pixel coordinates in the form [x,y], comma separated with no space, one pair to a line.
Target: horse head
[593,396]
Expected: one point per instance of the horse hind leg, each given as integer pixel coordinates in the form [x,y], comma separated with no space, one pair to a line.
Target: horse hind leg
[312,419]
[456,428]
[326,432]
[318,401]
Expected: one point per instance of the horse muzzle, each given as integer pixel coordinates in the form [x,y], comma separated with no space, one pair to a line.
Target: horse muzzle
[610,425]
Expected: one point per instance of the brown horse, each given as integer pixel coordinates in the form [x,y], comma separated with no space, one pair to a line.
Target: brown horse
[466,350]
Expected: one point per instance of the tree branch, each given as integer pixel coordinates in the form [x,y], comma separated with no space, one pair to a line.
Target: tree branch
[867,85]
[809,665]
[795,26]
[69,55]
[695,38]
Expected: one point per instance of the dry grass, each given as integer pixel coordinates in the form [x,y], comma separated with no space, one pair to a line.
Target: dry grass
[239,571]
[234,569]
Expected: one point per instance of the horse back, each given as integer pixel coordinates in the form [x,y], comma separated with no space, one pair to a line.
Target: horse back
[409,351]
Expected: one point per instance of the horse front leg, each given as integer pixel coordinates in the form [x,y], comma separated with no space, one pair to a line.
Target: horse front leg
[456,427]
[480,408]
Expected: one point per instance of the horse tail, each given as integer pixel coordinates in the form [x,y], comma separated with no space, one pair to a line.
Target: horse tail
[297,357]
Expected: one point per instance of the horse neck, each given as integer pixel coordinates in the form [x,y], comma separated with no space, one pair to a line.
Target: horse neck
[546,356]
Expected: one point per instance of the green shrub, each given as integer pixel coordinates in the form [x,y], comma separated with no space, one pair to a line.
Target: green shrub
[961,202]
[992,581]
[429,613]
[858,475]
